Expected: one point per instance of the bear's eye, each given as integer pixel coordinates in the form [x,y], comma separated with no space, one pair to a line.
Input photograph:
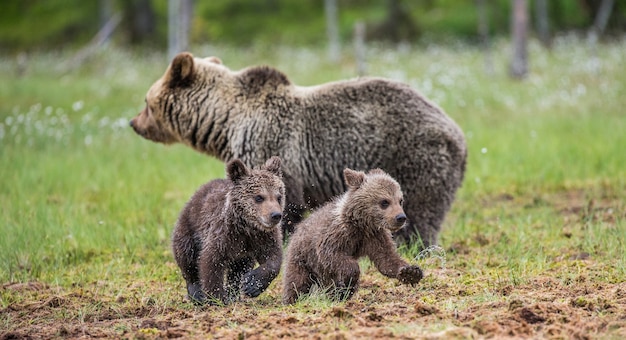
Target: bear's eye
[401,202]
[384,204]
[279,198]
[259,198]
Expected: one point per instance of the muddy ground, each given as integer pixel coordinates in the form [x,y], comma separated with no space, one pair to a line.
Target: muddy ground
[542,308]
[574,297]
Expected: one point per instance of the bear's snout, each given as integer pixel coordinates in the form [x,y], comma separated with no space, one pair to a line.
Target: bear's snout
[400,219]
[276,216]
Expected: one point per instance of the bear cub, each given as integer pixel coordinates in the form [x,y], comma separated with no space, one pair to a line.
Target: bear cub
[226,228]
[326,247]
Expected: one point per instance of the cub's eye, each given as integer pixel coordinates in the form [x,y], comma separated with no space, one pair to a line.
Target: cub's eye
[259,198]
[401,202]
[279,198]
[384,204]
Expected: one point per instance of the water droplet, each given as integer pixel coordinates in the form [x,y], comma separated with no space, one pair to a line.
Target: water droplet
[433,252]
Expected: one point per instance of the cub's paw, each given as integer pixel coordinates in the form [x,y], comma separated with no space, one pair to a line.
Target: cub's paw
[195,293]
[253,285]
[410,275]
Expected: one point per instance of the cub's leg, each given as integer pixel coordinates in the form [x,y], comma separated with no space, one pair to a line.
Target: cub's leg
[346,281]
[297,281]
[382,252]
[186,252]
[256,281]
[234,276]
[211,267]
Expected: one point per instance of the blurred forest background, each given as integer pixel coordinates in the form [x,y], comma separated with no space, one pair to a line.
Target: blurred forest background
[31,25]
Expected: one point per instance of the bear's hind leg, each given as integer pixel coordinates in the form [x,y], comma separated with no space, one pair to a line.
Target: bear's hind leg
[186,252]
[297,281]
[347,281]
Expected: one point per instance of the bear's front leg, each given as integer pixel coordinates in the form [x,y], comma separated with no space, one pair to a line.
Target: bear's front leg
[410,275]
[195,293]
[257,280]
[211,270]
[234,276]
[382,252]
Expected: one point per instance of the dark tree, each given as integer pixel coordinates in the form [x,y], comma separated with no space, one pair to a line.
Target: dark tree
[139,20]
[399,25]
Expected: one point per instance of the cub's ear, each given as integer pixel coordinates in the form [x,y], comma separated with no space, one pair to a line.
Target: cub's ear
[236,170]
[273,165]
[353,179]
[181,71]
[254,79]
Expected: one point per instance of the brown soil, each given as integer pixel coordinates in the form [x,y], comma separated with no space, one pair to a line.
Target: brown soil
[542,308]
[574,298]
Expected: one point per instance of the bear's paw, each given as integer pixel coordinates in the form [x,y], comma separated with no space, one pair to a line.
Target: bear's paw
[253,285]
[410,275]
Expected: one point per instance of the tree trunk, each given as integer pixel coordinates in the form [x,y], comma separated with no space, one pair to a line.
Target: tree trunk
[332,29]
[543,23]
[359,48]
[601,20]
[483,32]
[179,14]
[519,63]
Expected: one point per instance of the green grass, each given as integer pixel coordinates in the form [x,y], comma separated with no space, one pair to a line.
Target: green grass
[83,199]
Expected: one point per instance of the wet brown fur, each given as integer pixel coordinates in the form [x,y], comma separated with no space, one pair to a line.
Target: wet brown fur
[226,228]
[326,247]
[318,131]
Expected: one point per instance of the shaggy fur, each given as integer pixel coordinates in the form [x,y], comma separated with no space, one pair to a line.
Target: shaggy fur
[227,227]
[326,247]
[318,131]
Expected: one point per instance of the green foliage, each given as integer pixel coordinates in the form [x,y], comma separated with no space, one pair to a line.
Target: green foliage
[61,23]
[46,23]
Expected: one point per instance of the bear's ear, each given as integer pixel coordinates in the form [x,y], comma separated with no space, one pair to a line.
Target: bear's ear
[236,170]
[376,172]
[353,179]
[181,71]
[214,60]
[254,79]
[273,165]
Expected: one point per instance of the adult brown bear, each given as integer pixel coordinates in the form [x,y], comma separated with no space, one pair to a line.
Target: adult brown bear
[317,131]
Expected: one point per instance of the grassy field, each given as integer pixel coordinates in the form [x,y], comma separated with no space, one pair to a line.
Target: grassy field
[533,247]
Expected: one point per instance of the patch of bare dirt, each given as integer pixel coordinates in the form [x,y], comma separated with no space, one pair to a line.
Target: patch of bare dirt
[573,299]
[543,308]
